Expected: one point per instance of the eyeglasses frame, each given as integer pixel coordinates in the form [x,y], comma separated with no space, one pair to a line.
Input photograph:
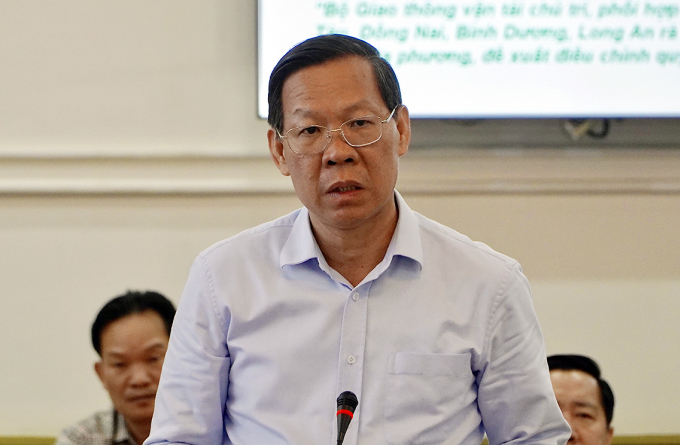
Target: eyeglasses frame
[329,136]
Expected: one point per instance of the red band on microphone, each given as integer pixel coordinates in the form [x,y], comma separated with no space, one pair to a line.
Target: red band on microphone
[344,411]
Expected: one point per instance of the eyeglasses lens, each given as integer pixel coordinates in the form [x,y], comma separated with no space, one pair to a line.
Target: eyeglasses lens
[357,132]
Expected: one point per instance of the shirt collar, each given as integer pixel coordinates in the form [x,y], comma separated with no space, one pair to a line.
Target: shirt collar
[301,245]
[406,240]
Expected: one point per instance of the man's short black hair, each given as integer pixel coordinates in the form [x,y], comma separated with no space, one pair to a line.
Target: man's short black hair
[318,50]
[569,362]
[131,302]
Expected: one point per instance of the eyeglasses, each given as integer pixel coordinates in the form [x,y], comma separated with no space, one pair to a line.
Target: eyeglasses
[357,132]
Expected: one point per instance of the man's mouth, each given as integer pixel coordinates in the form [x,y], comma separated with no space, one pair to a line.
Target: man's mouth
[141,398]
[347,188]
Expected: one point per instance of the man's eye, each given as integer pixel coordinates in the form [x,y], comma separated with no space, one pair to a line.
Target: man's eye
[584,415]
[361,124]
[119,365]
[309,131]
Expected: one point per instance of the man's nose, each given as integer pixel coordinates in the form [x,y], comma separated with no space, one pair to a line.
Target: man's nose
[575,436]
[140,375]
[338,150]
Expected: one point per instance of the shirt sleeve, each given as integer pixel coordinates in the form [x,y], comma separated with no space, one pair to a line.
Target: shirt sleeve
[515,395]
[64,439]
[79,435]
[190,402]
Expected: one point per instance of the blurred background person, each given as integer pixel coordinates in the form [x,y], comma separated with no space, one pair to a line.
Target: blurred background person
[586,400]
[130,334]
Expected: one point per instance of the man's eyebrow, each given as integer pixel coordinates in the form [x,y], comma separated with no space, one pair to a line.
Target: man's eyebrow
[156,345]
[306,112]
[585,405]
[159,344]
[114,354]
[358,106]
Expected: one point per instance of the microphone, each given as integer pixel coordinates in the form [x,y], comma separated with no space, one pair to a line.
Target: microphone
[347,403]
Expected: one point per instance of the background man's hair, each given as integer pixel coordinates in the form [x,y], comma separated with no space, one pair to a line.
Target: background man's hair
[318,50]
[131,302]
[568,362]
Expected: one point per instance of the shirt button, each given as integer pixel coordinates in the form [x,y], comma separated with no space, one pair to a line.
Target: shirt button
[355,296]
[351,359]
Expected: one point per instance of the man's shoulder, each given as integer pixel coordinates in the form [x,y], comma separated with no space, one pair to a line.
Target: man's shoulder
[454,244]
[272,233]
[94,429]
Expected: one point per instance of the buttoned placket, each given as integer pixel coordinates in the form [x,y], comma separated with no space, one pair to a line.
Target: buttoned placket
[352,347]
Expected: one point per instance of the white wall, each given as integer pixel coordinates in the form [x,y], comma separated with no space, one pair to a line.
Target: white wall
[123,127]
[128,78]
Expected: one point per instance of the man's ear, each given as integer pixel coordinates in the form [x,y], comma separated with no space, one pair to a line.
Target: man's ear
[98,368]
[610,434]
[404,128]
[276,150]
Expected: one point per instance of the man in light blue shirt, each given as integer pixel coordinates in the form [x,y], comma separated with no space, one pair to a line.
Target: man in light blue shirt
[434,333]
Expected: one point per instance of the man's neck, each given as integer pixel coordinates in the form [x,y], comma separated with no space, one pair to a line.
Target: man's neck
[354,252]
[138,430]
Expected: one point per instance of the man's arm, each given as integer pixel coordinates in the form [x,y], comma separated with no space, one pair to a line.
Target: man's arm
[192,392]
[66,439]
[516,399]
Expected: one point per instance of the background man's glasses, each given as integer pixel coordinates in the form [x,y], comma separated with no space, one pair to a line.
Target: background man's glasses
[357,132]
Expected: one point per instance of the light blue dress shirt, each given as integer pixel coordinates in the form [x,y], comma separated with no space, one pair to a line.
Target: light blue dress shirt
[439,342]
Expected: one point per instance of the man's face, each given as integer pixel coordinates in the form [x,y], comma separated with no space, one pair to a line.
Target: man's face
[133,349]
[343,186]
[578,395]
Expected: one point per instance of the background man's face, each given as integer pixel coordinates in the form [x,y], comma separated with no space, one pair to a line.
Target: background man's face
[578,395]
[133,349]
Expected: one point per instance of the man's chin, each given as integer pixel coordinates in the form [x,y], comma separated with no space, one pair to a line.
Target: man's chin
[138,411]
[137,417]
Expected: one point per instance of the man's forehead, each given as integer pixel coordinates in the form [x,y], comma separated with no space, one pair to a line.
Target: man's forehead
[347,84]
[576,387]
[357,64]
[139,328]
[573,375]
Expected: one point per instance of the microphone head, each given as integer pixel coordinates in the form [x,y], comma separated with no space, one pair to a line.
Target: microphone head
[347,403]
[347,400]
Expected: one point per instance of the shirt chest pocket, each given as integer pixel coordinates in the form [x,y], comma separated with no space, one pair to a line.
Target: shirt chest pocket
[425,396]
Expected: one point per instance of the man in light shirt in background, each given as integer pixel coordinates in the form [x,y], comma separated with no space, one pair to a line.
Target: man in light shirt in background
[434,333]
[130,334]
